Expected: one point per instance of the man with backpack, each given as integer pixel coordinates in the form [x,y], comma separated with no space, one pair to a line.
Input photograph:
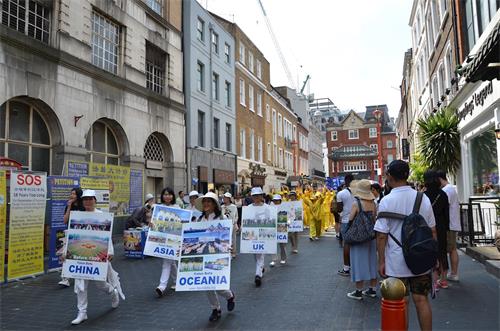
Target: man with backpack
[406,239]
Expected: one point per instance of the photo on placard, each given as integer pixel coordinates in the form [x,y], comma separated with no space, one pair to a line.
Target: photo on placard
[249,234]
[157,239]
[266,234]
[171,226]
[88,247]
[132,240]
[90,224]
[217,264]
[190,264]
[282,227]
[210,240]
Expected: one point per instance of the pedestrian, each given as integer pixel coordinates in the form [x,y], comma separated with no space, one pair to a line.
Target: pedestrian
[455,226]
[112,284]
[238,201]
[180,200]
[208,204]
[142,215]
[231,212]
[169,267]
[345,200]
[282,246]
[441,210]
[258,200]
[74,203]
[293,236]
[193,195]
[363,256]
[391,261]
[377,192]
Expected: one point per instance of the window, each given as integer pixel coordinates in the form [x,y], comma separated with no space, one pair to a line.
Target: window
[215,42]
[260,152]
[390,158]
[268,113]
[228,137]
[24,136]
[201,128]
[436,18]
[153,149]
[294,133]
[374,147]
[252,144]
[227,89]
[484,166]
[469,25]
[216,133]
[200,29]
[375,165]
[250,98]
[435,92]
[102,145]
[200,76]
[155,5]
[486,9]
[352,166]
[442,8]
[449,68]
[280,158]
[354,134]
[155,68]
[33,21]
[215,86]
[242,92]
[105,43]
[389,143]
[250,61]
[373,133]
[227,53]
[242,53]
[243,153]
[441,79]
[259,104]
[275,126]
[280,125]
[275,149]
[259,69]
[269,152]
[334,135]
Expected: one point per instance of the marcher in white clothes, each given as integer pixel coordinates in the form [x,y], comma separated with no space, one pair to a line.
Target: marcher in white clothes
[169,267]
[193,195]
[230,211]
[209,206]
[112,284]
[258,200]
[293,236]
[282,246]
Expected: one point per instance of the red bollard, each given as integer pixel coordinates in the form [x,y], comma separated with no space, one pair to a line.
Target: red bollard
[393,305]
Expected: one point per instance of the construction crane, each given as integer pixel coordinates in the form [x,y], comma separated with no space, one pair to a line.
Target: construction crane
[278,48]
[304,84]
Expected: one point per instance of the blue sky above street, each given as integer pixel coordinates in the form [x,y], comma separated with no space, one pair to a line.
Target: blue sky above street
[353,50]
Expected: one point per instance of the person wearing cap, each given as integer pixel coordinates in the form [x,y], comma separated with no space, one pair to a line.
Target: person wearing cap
[293,236]
[193,195]
[142,215]
[231,212]
[282,246]
[112,284]
[211,210]
[258,200]
[363,256]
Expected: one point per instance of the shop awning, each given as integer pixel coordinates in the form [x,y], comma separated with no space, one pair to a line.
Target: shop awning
[489,53]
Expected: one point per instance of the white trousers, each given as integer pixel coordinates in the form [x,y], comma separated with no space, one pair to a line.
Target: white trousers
[282,249]
[259,264]
[213,299]
[81,294]
[168,269]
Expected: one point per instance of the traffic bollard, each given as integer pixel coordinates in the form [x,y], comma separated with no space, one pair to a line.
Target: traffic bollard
[393,306]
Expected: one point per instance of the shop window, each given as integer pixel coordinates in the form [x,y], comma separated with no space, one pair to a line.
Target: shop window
[101,144]
[484,163]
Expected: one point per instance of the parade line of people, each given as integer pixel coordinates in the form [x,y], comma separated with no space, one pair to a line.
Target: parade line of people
[371,223]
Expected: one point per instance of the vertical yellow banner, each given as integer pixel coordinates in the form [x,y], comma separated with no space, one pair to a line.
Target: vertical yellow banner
[119,185]
[3,221]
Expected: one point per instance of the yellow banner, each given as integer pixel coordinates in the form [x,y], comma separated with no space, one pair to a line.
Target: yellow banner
[101,187]
[119,185]
[3,220]
[28,193]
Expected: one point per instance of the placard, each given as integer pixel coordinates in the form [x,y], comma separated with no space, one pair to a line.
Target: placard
[295,216]
[3,220]
[101,187]
[165,232]
[119,185]
[205,260]
[282,223]
[87,245]
[133,243]
[258,230]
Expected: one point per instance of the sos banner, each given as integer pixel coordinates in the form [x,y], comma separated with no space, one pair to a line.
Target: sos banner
[28,194]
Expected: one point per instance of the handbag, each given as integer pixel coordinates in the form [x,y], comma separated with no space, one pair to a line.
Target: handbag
[362,228]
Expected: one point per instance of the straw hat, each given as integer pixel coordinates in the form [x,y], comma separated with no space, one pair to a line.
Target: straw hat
[363,190]
[353,186]
[210,195]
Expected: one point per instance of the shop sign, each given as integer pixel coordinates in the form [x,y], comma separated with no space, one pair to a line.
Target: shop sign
[477,99]
[223,176]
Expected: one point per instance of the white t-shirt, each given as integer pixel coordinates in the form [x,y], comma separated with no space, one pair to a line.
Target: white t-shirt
[401,201]
[451,192]
[345,196]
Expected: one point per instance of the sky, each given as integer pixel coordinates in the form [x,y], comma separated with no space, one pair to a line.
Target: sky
[353,49]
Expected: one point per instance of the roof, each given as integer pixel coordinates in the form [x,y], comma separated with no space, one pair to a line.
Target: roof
[478,69]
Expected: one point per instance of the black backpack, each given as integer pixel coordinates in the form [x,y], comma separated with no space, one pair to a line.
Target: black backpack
[420,250]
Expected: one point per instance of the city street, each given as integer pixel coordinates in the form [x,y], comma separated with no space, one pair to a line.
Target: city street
[305,294]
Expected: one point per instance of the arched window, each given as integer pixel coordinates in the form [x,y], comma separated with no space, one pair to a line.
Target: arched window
[24,136]
[101,144]
[153,150]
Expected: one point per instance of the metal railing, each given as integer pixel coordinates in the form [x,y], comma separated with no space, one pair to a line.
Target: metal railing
[478,218]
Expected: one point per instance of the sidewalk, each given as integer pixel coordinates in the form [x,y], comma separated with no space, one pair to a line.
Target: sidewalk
[305,294]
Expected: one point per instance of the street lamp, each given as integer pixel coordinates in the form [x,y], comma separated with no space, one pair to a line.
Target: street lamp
[378,115]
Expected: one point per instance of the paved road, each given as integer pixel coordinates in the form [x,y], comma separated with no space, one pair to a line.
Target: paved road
[305,294]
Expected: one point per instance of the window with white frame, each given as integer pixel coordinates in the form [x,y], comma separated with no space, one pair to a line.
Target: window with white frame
[201,128]
[436,18]
[200,76]
[280,161]
[259,104]
[216,129]
[449,68]
[215,86]
[268,113]
[242,52]
[227,53]
[375,164]
[156,60]
[435,91]
[105,43]
[280,125]
[389,143]
[28,17]
[294,133]
[250,61]
[242,93]
[441,80]
[374,147]
[275,126]
[156,6]
[334,135]
[259,69]
[372,133]
[251,144]
[442,8]
[227,93]
[351,166]
[250,98]
[215,42]
[390,158]
[229,134]
[354,134]
[200,29]
[243,152]
[275,160]
[260,152]
[269,152]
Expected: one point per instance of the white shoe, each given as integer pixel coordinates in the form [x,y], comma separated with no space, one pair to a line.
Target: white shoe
[272,264]
[115,298]
[64,282]
[79,319]
[452,277]
[295,251]
[282,262]
[173,287]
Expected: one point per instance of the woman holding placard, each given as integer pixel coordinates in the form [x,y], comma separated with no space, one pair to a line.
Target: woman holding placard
[209,205]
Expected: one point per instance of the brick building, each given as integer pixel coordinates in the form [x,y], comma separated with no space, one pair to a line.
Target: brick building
[353,144]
